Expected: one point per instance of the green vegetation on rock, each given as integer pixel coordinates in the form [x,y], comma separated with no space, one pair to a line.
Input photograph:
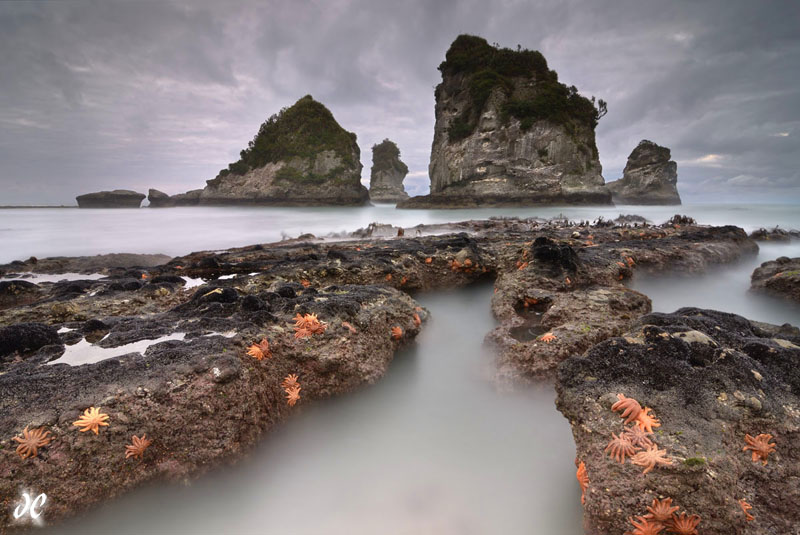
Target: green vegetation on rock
[386,155]
[695,461]
[489,67]
[300,131]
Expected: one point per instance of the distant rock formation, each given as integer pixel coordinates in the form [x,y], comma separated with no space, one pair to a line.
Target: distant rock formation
[388,172]
[119,198]
[159,199]
[300,156]
[508,133]
[650,177]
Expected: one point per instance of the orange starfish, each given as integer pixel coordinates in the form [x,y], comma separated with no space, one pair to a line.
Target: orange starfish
[403,281]
[661,511]
[650,457]
[397,333]
[630,261]
[522,266]
[260,351]
[547,337]
[643,526]
[629,407]
[647,422]
[455,265]
[388,277]
[745,509]
[136,450]
[290,381]
[91,419]
[467,263]
[620,447]
[31,441]
[305,326]
[417,321]
[638,436]
[293,395]
[349,327]
[583,479]
[685,524]
[305,283]
[428,260]
[760,446]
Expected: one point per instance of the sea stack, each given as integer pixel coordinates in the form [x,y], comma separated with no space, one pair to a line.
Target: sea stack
[508,133]
[300,156]
[118,198]
[650,177]
[388,172]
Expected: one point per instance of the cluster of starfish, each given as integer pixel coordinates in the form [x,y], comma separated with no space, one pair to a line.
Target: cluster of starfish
[634,441]
[467,266]
[91,420]
[663,515]
[260,351]
[307,325]
[292,389]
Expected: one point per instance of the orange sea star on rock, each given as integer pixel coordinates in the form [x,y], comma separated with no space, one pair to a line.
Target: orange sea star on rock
[547,337]
[760,446]
[629,408]
[31,441]
[417,321]
[293,395]
[646,421]
[349,327]
[290,381]
[260,350]
[305,326]
[650,457]
[397,333]
[661,511]
[685,524]
[91,420]
[638,436]
[745,509]
[643,526]
[583,479]
[620,447]
[136,450]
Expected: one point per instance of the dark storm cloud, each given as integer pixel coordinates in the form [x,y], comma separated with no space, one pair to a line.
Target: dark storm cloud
[101,95]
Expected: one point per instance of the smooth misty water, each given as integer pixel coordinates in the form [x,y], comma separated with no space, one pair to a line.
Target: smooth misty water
[432,448]
[725,287]
[177,231]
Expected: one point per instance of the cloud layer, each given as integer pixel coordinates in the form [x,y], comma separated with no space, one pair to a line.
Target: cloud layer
[104,95]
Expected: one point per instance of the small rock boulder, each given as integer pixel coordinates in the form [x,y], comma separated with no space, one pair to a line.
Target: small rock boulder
[26,337]
[779,277]
[119,198]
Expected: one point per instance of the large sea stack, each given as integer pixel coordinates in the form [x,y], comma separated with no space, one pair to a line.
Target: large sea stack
[300,156]
[118,198]
[388,172]
[509,133]
[650,177]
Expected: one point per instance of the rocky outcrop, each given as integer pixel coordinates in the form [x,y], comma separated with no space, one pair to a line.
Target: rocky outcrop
[159,199]
[388,172]
[300,156]
[775,234]
[508,133]
[649,177]
[118,198]
[780,277]
[710,378]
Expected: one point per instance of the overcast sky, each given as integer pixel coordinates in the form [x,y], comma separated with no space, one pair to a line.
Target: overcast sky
[134,95]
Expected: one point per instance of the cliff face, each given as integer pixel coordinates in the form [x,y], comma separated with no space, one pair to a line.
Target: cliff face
[388,172]
[300,156]
[508,133]
[650,177]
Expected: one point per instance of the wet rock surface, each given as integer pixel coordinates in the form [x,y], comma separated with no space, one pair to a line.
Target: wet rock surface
[710,378]
[203,400]
[779,277]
